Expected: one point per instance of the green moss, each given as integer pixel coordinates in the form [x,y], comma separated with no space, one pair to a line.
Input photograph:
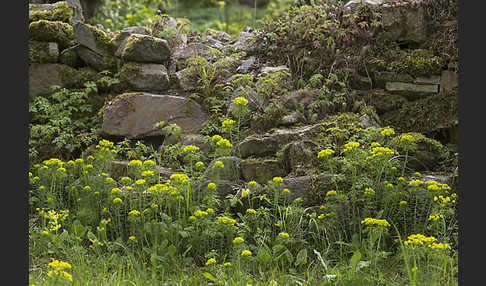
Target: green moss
[52,31]
[101,38]
[75,78]
[70,58]
[424,115]
[133,39]
[60,11]
[417,63]
[129,71]
[39,52]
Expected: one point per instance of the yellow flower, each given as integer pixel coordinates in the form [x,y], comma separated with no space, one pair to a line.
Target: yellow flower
[216,138]
[135,163]
[109,180]
[350,146]
[246,252]
[192,218]
[224,219]
[210,261]
[211,186]
[199,164]
[190,148]
[227,264]
[286,191]
[199,213]
[403,203]
[240,101]
[134,213]
[435,217]
[218,164]
[117,201]
[283,235]
[419,239]
[149,163]
[407,138]
[252,184]
[79,161]
[373,221]
[238,240]
[59,265]
[277,180]
[147,173]
[115,190]
[180,178]
[325,153]
[331,193]
[251,211]
[387,132]
[125,180]
[440,246]
[45,232]
[227,123]
[140,182]
[375,144]
[224,143]
[244,193]
[369,191]
[132,238]
[415,183]
[210,211]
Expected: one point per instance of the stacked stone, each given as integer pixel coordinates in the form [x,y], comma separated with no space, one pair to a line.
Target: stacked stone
[50,42]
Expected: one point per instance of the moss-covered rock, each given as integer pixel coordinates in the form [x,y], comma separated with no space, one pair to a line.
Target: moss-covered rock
[43,52]
[71,58]
[144,76]
[93,38]
[428,154]
[383,101]
[262,170]
[59,11]
[144,48]
[52,31]
[424,115]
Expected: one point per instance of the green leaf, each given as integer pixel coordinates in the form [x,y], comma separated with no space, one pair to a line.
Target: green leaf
[355,259]
[301,257]
[209,276]
[264,256]
[171,250]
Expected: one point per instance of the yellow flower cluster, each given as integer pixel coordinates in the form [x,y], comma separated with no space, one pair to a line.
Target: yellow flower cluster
[117,201]
[126,180]
[415,183]
[147,173]
[224,143]
[134,163]
[210,261]
[251,211]
[373,221]
[55,218]
[180,179]
[387,132]
[440,246]
[199,164]
[244,193]
[444,200]
[350,146]
[238,240]
[283,235]
[58,269]
[134,213]
[53,162]
[325,153]
[435,186]
[190,148]
[140,182]
[150,163]
[218,165]
[211,186]
[323,216]
[216,138]
[227,123]
[419,239]
[407,138]
[286,191]
[369,191]
[375,144]
[435,217]
[227,264]
[246,252]
[331,193]
[198,213]
[240,101]
[379,151]
[105,145]
[277,180]
[403,203]
[224,219]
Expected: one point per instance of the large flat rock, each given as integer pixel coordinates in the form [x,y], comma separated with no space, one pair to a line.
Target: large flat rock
[133,115]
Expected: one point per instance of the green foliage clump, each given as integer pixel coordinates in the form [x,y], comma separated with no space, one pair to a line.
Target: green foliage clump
[418,62]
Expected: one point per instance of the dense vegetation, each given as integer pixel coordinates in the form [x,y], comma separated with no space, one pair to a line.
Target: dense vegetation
[167,217]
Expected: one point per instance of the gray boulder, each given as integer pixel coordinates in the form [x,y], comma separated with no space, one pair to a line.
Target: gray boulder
[145,48]
[262,170]
[145,76]
[246,42]
[92,38]
[133,115]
